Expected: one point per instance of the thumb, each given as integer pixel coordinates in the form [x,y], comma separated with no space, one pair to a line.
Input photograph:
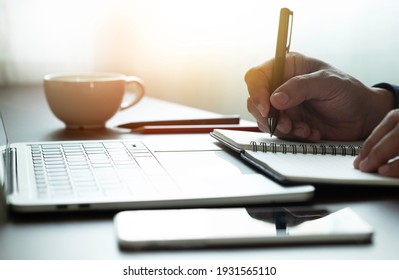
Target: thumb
[299,89]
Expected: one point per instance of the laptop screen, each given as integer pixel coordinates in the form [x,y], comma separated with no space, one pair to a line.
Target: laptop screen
[3,148]
[4,162]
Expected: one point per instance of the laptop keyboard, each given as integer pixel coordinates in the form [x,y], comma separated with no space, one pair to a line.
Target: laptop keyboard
[93,169]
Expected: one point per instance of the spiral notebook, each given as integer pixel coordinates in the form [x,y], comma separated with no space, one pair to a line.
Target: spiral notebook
[294,162]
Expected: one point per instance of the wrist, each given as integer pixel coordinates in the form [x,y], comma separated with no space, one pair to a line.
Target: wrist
[382,101]
[394,90]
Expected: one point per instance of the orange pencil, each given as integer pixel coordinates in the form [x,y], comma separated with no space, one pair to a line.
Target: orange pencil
[163,129]
[233,119]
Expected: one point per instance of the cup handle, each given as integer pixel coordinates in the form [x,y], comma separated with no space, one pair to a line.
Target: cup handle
[139,84]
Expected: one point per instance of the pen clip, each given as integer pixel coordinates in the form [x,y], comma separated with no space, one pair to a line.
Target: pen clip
[291,23]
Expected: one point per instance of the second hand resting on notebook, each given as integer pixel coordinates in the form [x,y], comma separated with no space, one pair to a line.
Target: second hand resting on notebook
[319,102]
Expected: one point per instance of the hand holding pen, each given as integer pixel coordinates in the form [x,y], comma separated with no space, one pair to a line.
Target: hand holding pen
[315,101]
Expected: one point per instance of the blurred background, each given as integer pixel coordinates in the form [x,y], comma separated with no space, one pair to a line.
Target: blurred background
[194,52]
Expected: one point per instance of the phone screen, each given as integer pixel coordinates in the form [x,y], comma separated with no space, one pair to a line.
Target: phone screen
[238,226]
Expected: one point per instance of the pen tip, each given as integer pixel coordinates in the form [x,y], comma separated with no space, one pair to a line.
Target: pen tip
[272,124]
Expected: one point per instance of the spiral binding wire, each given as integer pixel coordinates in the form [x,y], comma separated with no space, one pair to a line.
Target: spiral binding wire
[313,149]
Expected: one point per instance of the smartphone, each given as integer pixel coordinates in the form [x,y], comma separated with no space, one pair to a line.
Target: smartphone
[220,227]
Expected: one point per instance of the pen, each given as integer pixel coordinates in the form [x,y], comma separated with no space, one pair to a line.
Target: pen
[279,61]
[233,119]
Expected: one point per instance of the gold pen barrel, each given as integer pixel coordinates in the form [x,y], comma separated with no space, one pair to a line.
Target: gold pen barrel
[279,63]
[281,48]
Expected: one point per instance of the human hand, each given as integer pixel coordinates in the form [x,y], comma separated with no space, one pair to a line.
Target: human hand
[316,101]
[381,148]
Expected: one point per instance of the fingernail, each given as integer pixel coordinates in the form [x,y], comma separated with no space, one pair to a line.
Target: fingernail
[384,169]
[299,132]
[281,98]
[282,127]
[261,110]
[363,165]
[356,162]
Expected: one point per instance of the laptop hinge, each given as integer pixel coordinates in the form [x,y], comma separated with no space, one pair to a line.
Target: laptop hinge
[11,176]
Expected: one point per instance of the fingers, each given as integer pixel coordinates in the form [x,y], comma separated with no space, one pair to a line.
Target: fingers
[286,128]
[381,147]
[258,84]
[262,121]
[390,169]
[258,79]
[296,130]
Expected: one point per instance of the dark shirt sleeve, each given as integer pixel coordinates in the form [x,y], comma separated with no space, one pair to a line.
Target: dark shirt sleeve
[392,88]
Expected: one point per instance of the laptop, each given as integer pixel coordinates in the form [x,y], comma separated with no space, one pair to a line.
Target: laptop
[158,172]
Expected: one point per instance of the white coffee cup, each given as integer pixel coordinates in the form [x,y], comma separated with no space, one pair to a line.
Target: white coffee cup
[89,100]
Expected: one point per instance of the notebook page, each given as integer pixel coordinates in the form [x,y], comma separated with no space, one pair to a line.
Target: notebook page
[320,168]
